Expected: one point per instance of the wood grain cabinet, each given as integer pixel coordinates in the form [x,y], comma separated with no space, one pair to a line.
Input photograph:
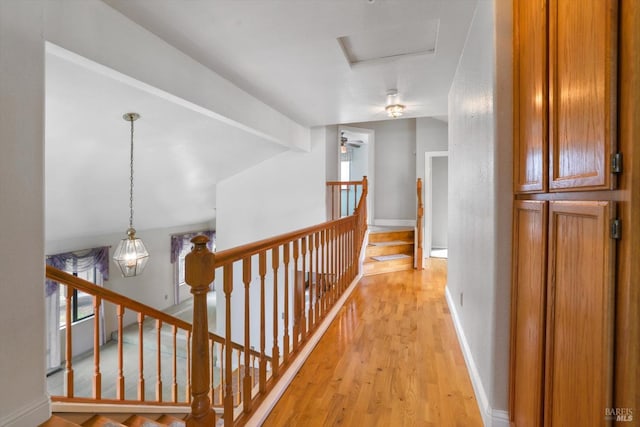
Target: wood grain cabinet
[580,317]
[528,308]
[565,94]
[530,96]
[565,118]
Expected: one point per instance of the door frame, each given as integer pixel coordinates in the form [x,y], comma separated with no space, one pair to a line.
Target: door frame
[428,197]
[370,165]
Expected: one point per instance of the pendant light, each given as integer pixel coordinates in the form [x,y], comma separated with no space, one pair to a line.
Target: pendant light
[394,109]
[131,255]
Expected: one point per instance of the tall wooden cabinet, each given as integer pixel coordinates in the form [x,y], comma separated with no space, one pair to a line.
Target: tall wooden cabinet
[563,291]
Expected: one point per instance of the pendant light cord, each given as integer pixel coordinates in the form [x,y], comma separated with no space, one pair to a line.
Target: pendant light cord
[131,180]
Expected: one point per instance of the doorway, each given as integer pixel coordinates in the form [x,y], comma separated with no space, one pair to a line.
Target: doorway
[437,200]
[356,159]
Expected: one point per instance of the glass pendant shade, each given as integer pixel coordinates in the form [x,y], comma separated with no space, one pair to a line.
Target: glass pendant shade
[131,255]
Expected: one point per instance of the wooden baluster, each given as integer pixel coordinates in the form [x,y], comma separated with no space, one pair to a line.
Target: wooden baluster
[228,391]
[327,272]
[262,266]
[174,379]
[120,395]
[275,351]
[97,376]
[212,367]
[333,205]
[68,343]
[296,296]
[246,384]
[245,396]
[158,361]
[221,370]
[310,284]
[303,289]
[316,241]
[346,212]
[420,224]
[199,274]
[285,255]
[332,261]
[140,357]
[355,197]
[187,380]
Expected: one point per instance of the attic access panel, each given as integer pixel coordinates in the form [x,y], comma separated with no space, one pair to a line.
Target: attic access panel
[390,43]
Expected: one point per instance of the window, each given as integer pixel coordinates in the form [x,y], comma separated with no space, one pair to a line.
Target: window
[180,247]
[81,303]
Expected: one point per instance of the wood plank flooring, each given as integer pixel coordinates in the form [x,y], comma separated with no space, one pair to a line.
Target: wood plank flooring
[391,358]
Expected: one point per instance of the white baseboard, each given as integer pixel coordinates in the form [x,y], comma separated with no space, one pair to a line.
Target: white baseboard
[490,417]
[29,415]
[395,222]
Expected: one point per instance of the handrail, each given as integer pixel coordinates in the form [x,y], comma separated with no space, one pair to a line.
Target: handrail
[239,252]
[306,270]
[75,282]
[340,203]
[165,331]
[419,227]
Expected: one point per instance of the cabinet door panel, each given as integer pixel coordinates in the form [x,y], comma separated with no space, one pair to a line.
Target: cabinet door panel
[579,314]
[582,92]
[528,299]
[530,83]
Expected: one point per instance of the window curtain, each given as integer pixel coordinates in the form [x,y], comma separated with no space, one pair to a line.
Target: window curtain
[179,241]
[71,262]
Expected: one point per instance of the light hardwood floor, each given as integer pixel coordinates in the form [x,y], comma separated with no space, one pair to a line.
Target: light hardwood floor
[391,358]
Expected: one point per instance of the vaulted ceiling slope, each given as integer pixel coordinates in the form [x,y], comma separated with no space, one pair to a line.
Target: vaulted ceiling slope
[180,153]
[320,62]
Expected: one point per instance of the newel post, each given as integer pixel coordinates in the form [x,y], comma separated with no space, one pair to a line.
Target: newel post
[419,231]
[199,273]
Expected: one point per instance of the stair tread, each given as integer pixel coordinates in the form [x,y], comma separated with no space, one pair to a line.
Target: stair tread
[56,421]
[101,421]
[172,421]
[139,421]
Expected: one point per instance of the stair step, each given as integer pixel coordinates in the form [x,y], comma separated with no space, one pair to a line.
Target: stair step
[101,421]
[139,421]
[171,421]
[397,247]
[56,421]
[377,267]
[386,236]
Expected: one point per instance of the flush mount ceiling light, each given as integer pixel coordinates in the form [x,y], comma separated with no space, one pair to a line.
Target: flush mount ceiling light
[393,108]
[131,255]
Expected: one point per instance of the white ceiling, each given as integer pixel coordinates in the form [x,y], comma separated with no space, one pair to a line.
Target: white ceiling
[284,52]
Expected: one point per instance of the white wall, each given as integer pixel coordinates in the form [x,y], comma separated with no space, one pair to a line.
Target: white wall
[394,170]
[439,201]
[480,206]
[282,194]
[431,135]
[23,398]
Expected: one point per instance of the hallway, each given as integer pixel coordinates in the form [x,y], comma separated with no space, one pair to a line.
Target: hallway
[391,358]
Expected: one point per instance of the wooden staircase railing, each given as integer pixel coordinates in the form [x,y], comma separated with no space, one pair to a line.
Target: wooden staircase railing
[166,330]
[343,196]
[300,277]
[419,227]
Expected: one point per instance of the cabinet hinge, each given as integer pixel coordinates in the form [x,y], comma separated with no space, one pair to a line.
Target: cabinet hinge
[616,163]
[616,229]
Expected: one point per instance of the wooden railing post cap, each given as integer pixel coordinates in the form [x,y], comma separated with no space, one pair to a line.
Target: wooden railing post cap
[199,264]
